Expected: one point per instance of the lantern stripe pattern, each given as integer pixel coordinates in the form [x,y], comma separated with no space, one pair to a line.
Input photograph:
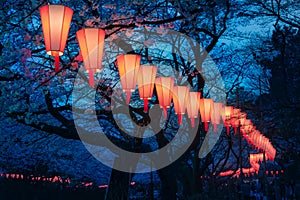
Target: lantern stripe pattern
[91,43]
[128,66]
[205,111]
[164,88]
[235,119]
[226,117]
[56,20]
[146,79]
[217,109]
[243,117]
[180,96]
[193,106]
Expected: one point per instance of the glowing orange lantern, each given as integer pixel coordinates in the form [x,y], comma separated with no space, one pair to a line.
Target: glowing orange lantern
[243,117]
[56,20]
[193,106]
[235,122]
[205,106]
[251,158]
[180,97]
[146,78]
[246,127]
[226,116]
[217,109]
[128,66]
[164,89]
[91,43]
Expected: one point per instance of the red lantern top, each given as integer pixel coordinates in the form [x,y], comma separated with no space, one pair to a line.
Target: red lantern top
[146,78]
[56,20]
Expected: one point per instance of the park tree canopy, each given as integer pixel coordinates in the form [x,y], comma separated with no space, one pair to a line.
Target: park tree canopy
[252,44]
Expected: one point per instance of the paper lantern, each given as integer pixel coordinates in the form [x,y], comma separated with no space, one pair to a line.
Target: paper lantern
[164,90]
[246,127]
[128,67]
[193,106]
[146,79]
[56,20]
[262,143]
[226,117]
[91,43]
[235,119]
[254,137]
[205,106]
[180,97]
[217,109]
[243,117]
[256,157]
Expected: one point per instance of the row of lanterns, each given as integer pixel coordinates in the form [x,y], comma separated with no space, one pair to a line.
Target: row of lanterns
[55,179]
[258,140]
[234,117]
[256,157]
[56,20]
[255,160]
[248,172]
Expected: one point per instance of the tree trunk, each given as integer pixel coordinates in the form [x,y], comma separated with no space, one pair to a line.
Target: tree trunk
[168,183]
[167,175]
[197,182]
[118,188]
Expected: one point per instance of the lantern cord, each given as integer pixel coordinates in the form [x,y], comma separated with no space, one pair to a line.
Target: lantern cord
[145,105]
[165,112]
[179,119]
[206,126]
[91,78]
[193,122]
[56,63]
[128,94]
[215,128]
[235,129]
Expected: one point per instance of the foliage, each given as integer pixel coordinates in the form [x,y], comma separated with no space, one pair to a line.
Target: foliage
[34,95]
